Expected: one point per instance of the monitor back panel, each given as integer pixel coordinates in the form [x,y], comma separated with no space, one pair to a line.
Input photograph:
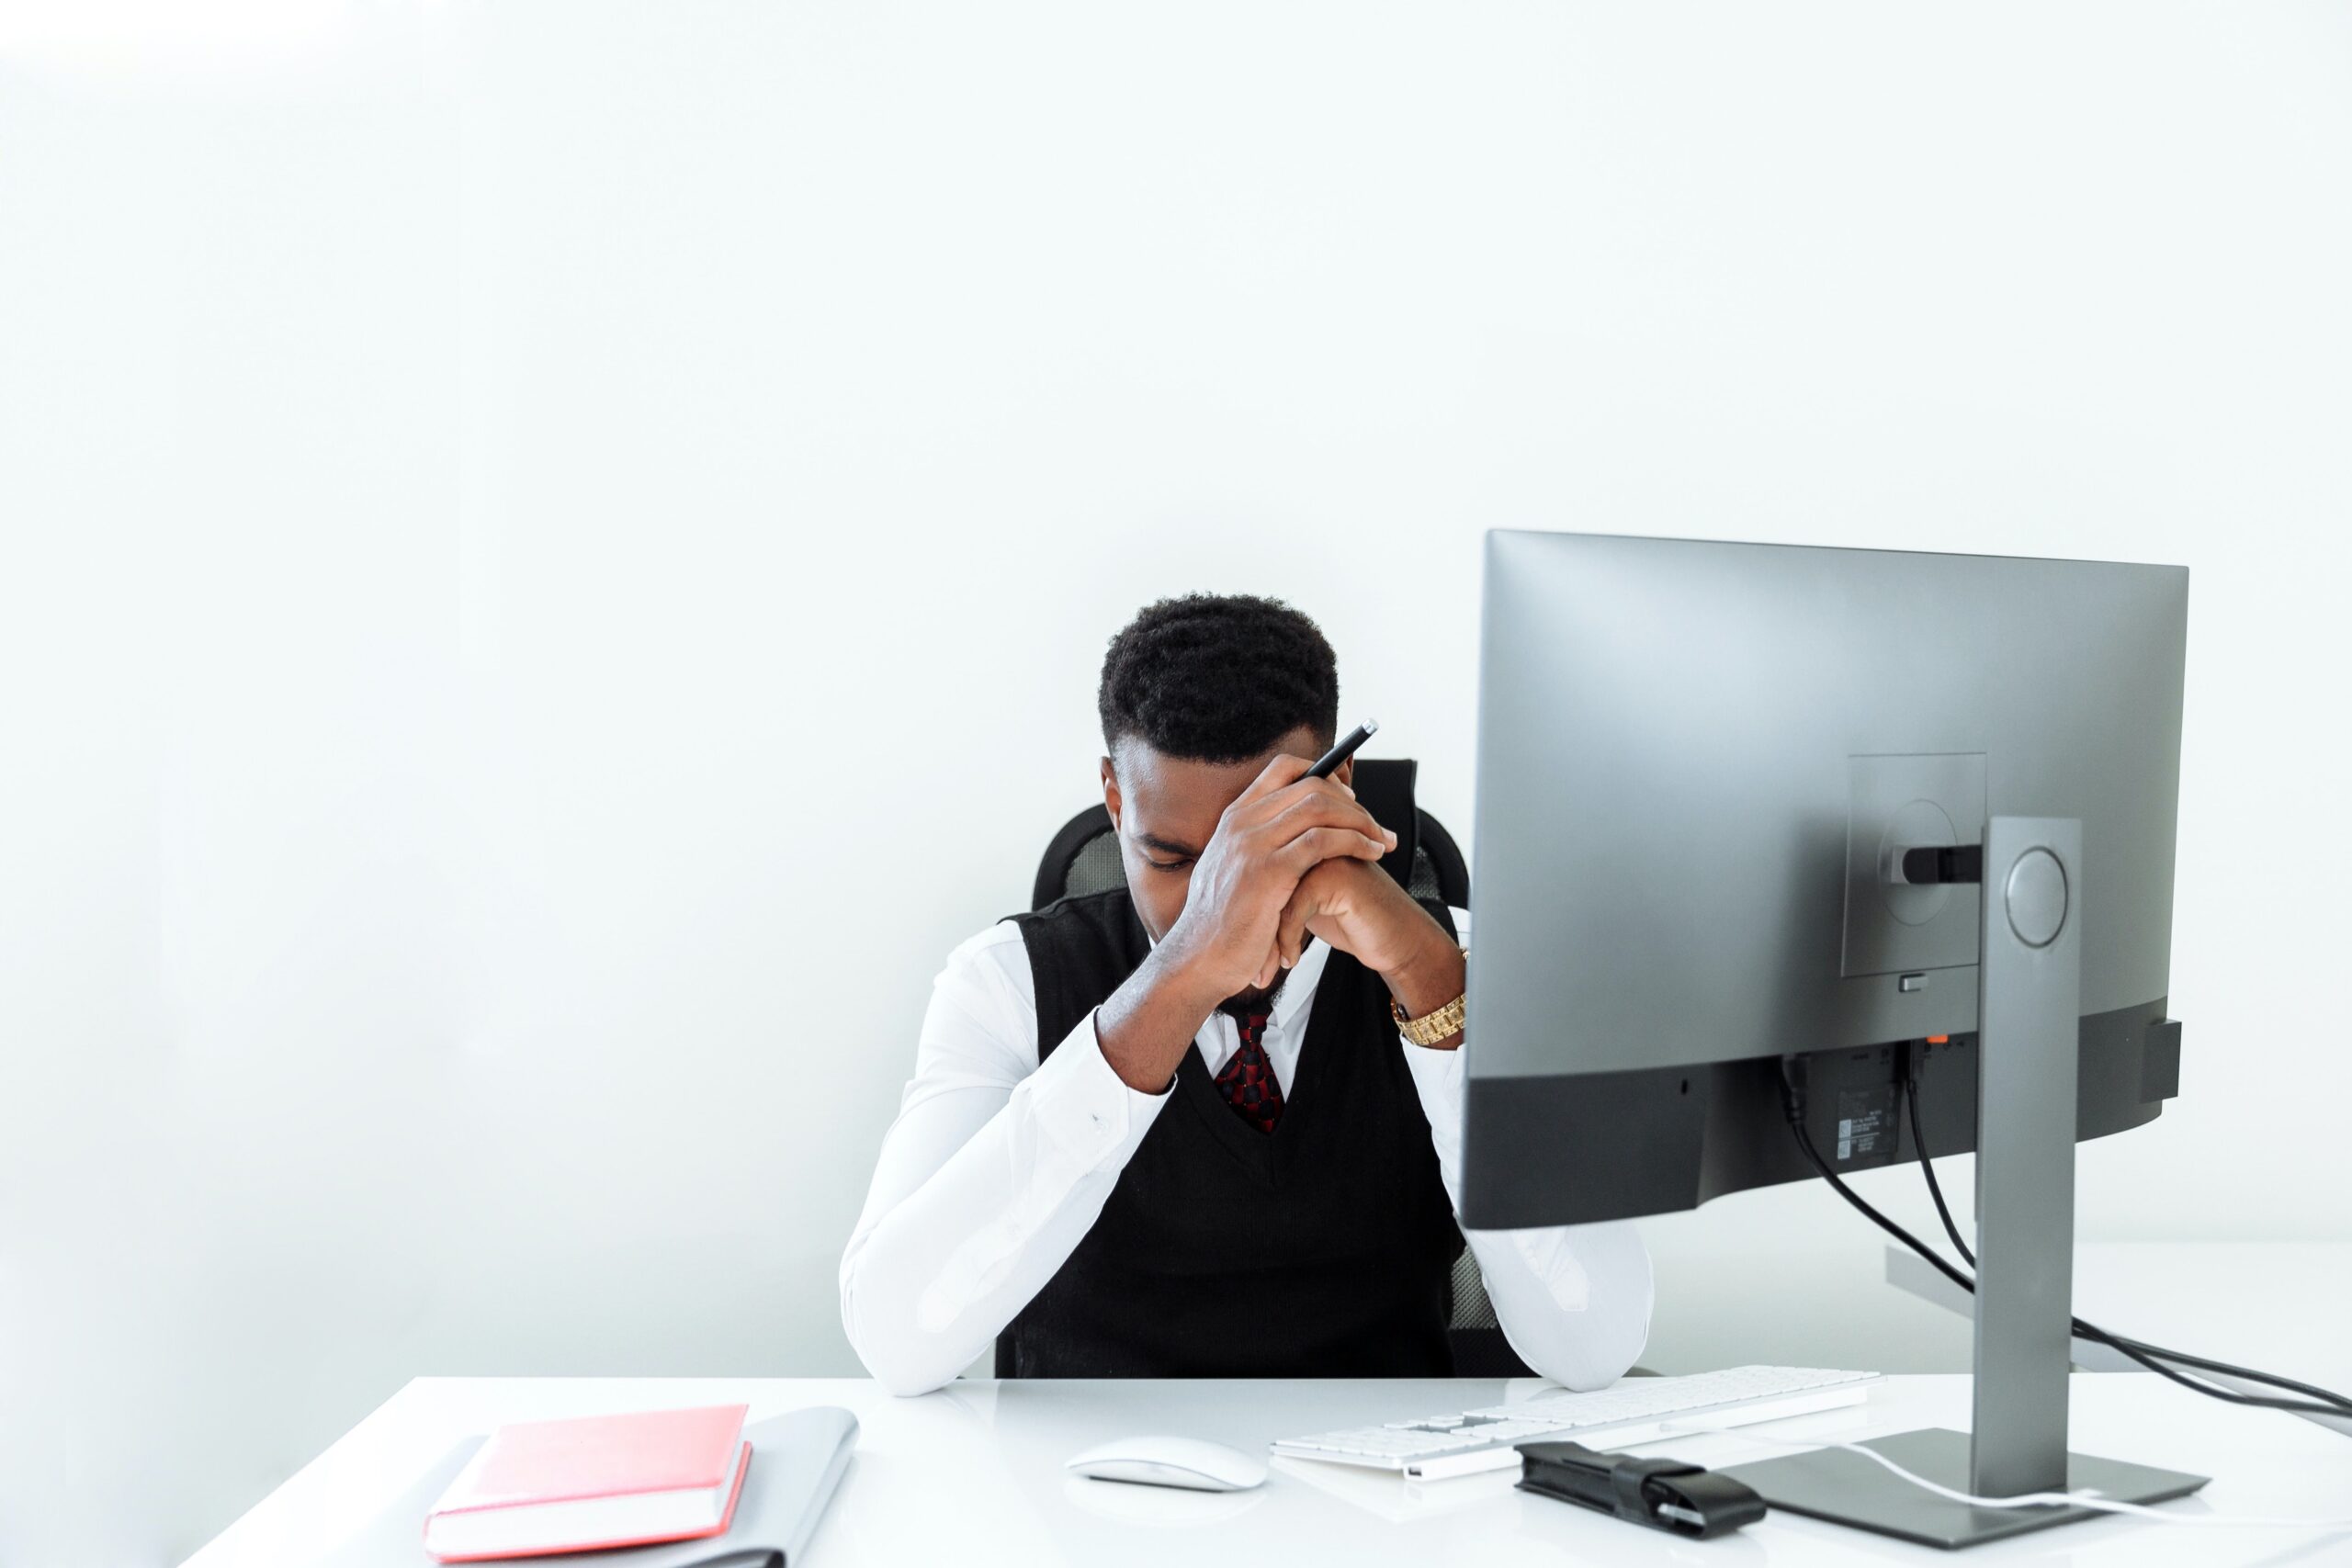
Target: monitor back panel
[1691,759]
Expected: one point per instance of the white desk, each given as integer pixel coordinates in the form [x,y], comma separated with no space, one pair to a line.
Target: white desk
[972,1476]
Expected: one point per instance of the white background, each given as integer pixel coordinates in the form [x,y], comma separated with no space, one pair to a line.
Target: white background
[556,555]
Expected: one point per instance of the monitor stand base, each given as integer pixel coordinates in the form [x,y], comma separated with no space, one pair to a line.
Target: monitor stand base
[1847,1489]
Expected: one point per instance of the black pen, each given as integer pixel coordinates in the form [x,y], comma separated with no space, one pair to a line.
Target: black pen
[1328,763]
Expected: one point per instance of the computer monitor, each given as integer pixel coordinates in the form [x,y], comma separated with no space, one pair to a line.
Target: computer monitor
[1732,803]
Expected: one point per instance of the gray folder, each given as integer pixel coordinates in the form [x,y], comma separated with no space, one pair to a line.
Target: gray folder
[796,1460]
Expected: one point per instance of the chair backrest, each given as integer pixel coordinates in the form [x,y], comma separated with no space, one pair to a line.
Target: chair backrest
[1084,858]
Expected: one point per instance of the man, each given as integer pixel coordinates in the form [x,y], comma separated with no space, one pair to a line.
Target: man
[1294,1216]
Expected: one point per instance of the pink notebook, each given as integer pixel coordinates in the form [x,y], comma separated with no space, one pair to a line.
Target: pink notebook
[548,1486]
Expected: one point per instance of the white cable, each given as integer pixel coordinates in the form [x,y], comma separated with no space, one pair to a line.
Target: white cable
[2024,1500]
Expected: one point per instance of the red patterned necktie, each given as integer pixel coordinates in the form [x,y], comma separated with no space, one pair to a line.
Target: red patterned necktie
[1248,1081]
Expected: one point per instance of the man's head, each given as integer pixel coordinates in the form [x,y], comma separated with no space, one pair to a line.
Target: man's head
[1198,693]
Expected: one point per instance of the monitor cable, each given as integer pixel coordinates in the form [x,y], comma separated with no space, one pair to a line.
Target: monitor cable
[1793,1104]
[2122,1343]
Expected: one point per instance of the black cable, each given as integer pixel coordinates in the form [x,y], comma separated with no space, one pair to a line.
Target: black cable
[1793,1105]
[2119,1341]
[2138,1351]
[1919,1144]
[2087,1330]
[1805,1142]
[2124,1343]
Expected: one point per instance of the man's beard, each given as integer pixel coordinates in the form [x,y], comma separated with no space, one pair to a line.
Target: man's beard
[1256,998]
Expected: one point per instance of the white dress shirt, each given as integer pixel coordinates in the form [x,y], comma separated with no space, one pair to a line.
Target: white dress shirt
[996,1167]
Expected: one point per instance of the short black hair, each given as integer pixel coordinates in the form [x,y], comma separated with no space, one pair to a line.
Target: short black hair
[1219,678]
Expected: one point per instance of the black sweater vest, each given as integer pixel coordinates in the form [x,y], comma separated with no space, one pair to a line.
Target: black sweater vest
[1323,1248]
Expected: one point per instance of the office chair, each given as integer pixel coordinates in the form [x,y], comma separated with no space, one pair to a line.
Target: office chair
[1084,858]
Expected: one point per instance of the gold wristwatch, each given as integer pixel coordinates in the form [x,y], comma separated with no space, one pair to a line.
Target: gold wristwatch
[1430,1027]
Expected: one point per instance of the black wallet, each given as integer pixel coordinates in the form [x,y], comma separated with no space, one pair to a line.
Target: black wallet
[1665,1494]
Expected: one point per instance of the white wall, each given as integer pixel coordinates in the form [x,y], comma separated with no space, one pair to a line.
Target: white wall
[555,556]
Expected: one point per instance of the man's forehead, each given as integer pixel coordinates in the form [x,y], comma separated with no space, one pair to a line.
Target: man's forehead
[1180,788]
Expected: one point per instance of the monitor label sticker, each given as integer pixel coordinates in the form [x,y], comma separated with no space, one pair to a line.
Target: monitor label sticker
[1866,1125]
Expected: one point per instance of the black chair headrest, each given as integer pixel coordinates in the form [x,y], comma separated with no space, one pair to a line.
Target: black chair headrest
[1383,786]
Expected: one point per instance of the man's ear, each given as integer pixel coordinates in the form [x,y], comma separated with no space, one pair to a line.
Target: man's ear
[1346,772]
[1111,791]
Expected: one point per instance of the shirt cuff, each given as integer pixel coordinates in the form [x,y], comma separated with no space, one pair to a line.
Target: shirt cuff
[1083,1108]
[1437,1076]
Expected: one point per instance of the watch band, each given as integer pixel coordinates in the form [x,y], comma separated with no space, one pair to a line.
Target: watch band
[1430,1027]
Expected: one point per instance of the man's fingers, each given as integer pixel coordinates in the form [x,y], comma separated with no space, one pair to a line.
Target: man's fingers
[1279,784]
[1290,938]
[1317,845]
[1278,773]
[1319,808]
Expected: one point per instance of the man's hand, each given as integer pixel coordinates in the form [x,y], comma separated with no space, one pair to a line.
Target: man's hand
[1359,909]
[1276,832]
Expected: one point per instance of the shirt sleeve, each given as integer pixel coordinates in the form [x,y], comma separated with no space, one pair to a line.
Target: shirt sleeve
[1573,1301]
[994,1171]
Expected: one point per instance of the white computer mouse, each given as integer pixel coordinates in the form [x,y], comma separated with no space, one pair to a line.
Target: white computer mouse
[1188,1463]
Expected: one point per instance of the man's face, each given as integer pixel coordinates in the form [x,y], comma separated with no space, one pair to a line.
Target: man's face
[1165,810]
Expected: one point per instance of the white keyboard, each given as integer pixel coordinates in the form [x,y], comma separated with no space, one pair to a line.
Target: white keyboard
[1634,1410]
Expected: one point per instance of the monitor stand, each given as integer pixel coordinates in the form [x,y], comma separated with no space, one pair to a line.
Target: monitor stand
[2030,973]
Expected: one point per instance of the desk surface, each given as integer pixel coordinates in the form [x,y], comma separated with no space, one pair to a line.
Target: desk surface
[972,1476]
